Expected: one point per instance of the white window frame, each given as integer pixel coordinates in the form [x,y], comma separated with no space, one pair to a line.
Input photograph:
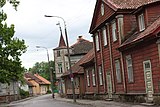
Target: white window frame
[104,33]
[129,68]
[97,42]
[141,22]
[120,27]
[102,9]
[93,77]
[87,76]
[118,71]
[100,75]
[114,31]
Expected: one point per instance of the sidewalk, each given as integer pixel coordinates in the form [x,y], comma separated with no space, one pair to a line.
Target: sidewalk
[102,103]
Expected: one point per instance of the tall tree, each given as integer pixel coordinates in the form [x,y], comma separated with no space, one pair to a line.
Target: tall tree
[42,69]
[11,48]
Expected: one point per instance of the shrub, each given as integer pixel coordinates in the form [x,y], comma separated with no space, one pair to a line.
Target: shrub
[49,92]
[23,93]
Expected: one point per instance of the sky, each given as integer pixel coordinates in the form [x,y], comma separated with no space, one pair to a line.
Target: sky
[37,30]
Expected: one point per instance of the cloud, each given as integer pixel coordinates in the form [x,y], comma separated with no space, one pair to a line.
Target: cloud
[35,29]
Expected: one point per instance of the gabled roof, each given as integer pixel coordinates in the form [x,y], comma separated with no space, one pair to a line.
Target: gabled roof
[151,30]
[118,5]
[28,82]
[88,58]
[128,4]
[42,79]
[82,46]
[38,79]
[76,68]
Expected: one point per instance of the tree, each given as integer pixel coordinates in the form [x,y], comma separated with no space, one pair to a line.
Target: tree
[42,69]
[10,48]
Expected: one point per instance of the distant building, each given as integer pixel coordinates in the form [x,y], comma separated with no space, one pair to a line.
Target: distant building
[78,74]
[36,84]
[77,51]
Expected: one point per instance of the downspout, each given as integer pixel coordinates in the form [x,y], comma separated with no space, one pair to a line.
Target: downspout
[110,54]
[121,33]
[102,61]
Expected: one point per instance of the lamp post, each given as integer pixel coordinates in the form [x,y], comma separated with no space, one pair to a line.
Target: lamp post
[69,59]
[51,74]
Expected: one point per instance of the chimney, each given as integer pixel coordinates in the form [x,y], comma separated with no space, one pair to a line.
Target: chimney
[80,37]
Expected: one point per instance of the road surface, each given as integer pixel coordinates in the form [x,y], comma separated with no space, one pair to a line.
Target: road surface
[44,101]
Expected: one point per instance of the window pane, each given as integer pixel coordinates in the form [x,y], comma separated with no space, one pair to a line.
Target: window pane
[118,71]
[88,82]
[93,77]
[114,31]
[97,42]
[104,36]
[141,22]
[129,68]
[100,76]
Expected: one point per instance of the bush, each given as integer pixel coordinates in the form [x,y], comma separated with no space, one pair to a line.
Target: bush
[23,93]
[49,92]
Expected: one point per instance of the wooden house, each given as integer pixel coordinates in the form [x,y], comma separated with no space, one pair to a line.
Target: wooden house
[114,27]
[90,78]
[79,79]
[39,84]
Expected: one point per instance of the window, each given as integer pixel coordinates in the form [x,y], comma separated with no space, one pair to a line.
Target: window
[141,22]
[129,68]
[120,26]
[60,68]
[118,71]
[93,77]
[114,31]
[147,65]
[97,42]
[58,53]
[87,74]
[104,36]
[102,9]
[100,75]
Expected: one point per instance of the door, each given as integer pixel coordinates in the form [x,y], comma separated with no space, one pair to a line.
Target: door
[148,80]
[109,85]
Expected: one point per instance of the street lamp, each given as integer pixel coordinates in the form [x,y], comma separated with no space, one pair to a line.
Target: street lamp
[69,59]
[51,74]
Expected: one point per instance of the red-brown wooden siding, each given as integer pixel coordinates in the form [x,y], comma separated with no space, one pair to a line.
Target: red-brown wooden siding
[99,18]
[90,89]
[152,13]
[145,51]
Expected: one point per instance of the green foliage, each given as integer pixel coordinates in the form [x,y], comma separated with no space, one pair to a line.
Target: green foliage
[23,93]
[49,92]
[42,69]
[10,48]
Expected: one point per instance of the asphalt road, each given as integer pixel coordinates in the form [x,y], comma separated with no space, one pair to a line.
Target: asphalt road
[44,101]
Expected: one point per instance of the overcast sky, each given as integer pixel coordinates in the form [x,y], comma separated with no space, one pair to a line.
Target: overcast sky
[37,30]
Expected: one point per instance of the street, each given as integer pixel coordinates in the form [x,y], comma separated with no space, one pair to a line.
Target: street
[43,101]
[47,101]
